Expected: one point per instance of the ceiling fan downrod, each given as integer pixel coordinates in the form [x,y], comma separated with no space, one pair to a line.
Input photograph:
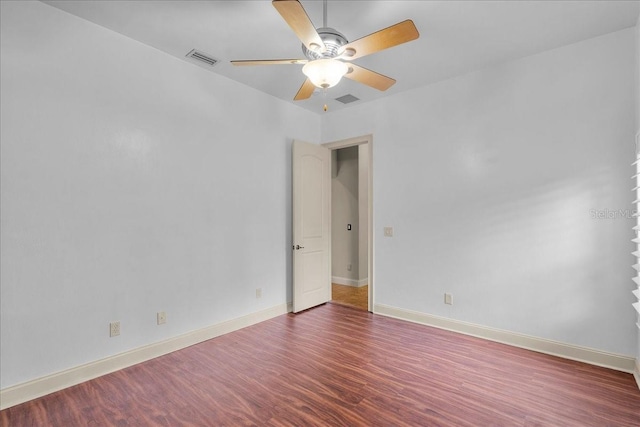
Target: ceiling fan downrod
[324,13]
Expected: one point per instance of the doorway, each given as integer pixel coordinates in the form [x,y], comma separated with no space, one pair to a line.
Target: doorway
[351,223]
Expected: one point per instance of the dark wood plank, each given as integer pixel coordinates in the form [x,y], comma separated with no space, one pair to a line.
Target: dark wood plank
[334,365]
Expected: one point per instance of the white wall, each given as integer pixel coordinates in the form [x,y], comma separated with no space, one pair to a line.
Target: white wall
[637,74]
[132,182]
[344,210]
[489,180]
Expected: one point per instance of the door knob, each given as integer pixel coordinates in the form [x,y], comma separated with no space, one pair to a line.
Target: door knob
[298,247]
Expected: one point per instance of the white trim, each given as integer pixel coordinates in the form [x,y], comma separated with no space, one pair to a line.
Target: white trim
[30,390]
[636,372]
[349,282]
[541,345]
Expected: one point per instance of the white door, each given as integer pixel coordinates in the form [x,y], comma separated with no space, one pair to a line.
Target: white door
[311,225]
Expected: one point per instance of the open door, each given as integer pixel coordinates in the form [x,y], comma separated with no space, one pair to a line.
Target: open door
[311,225]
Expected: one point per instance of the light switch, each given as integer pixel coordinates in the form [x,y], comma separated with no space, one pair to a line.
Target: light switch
[348,227]
[388,232]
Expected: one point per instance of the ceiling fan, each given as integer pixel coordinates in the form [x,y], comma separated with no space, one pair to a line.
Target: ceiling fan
[328,53]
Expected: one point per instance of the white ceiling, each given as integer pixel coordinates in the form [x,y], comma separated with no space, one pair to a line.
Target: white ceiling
[456,37]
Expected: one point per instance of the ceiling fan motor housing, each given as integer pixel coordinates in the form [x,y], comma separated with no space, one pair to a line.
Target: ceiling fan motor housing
[332,40]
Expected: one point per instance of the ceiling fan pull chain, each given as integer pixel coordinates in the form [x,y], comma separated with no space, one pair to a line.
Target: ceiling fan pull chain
[324,94]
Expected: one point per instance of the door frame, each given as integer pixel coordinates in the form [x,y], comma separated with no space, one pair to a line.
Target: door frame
[352,142]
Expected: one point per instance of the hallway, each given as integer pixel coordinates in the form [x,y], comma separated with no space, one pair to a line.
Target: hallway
[351,296]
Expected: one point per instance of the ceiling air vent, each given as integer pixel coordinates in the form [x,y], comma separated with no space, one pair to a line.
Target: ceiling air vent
[346,99]
[202,57]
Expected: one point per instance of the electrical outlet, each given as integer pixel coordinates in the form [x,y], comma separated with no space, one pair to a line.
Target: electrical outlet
[259,293]
[448,299]
[388,232]
[348,267]
[114,329]
[161,317]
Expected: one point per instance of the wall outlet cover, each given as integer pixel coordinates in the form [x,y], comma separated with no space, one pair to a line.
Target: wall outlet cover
[448,299]
[114,329]
[161,317]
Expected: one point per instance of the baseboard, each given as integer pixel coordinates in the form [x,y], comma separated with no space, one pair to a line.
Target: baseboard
[349,282]
[30,390]
[541,345]
[636,372]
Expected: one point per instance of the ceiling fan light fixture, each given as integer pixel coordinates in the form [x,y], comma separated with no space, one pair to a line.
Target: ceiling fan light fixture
[325,73]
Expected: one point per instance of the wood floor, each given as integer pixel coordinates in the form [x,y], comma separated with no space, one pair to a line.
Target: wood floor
[336,366]
[351,296]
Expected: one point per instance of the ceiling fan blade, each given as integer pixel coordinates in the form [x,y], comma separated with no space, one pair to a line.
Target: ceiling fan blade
[305,91]
[270,62]
[394,35]
[295,15]
[369,78]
